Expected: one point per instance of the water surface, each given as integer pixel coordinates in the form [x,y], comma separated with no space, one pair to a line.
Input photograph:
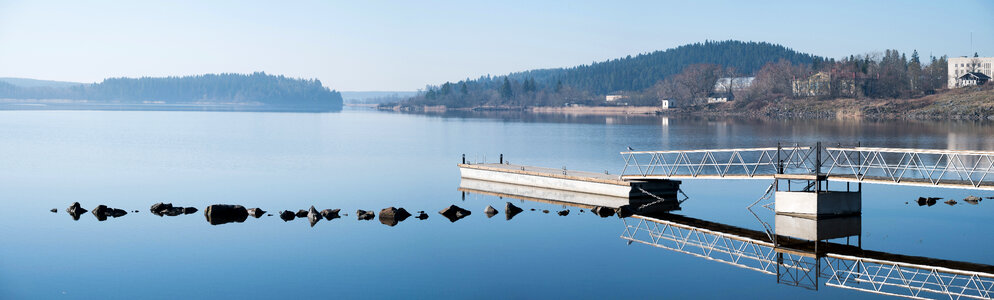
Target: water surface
[363,159]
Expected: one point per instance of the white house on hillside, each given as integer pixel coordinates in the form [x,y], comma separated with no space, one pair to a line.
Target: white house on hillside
[959,66]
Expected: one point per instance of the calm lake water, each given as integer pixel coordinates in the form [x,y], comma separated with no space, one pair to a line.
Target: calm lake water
[362,159]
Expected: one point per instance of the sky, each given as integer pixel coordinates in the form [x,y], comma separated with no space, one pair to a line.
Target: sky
[404,45]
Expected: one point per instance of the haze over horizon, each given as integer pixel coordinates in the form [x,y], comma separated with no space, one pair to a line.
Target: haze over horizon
[398,46]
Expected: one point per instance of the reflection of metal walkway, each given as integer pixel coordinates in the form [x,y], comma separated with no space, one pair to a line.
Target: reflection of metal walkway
[944,168]
[840,266]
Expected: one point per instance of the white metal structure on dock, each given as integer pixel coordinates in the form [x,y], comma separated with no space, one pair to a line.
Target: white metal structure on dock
[927,167]
[849,268]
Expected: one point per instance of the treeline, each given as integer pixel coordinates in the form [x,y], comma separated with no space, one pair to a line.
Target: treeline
[587,84]
[256,88]
[688,74]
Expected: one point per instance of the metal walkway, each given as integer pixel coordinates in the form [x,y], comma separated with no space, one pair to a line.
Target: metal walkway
[843,267]
[927,167]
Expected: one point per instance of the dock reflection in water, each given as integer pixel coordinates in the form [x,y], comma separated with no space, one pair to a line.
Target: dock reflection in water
[799,251]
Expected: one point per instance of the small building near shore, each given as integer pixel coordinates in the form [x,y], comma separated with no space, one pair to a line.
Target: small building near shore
[971,79]
[959,66]
[612,98]
[667,103]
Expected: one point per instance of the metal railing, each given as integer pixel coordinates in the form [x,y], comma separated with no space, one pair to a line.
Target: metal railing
[952,168]
[793,268]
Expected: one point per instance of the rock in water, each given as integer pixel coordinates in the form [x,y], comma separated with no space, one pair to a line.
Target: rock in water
[951,202]
[301,213]
[563,212]
[972,198]
[287,215]
[490,211]
[256,212]
[972,202]
[161,208]
[422,215]
[510,210]
[330,214]
[313,215]
[189,210]
[54,210]
[364,215]
[75,210]
[390,216]
[625,211]
[454,213]
[545,211]
[602,212]
[218,214]
[100,212]
[922,200]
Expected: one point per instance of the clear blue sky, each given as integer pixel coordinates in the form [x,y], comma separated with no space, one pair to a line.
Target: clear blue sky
[403,45]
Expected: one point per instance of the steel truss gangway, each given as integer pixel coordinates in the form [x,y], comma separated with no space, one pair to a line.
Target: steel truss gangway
[903,166]
[808,264]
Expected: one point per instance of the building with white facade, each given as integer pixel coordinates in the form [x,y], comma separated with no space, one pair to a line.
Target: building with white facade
[959,66]
[612,98]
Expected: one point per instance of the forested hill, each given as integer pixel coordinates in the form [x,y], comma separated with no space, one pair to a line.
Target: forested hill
[257,89]
[632,74]
[642,71]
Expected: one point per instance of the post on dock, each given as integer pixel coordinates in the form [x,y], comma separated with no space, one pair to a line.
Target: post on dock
[502,158]
[464,158]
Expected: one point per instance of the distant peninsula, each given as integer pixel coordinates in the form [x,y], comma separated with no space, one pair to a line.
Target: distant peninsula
[217,92]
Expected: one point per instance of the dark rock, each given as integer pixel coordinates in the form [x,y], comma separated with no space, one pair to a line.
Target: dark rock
[422,215]
[160,208]
[189,210]
[102,212]
[510,210]
[532,209]
[116,212]
[602,212]
[269,215]
[287,215]
[364,215]
[75,210]
[218,214]
[54,210]
[972,198]
[454,213]
[951,202]
[581,211]
[922,200]
[301,213]
[563,212]
[390,216]
[256,212]
[490,211]
[545,211]
[136,211]
[625,211]
[313,215]
[330,214]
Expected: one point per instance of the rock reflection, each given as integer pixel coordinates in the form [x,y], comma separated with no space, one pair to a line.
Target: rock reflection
[454,213]
[75,210]
[510,211]
[391,216]
[102,212]
[218,214]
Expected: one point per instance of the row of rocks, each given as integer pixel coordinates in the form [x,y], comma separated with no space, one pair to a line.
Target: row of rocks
[102,212]
[929,201]
[218,214]
[167,209]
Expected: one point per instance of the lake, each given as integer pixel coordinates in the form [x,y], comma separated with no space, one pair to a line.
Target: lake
[370,160]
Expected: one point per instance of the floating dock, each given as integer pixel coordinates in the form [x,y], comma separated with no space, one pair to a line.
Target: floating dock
[586,188]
